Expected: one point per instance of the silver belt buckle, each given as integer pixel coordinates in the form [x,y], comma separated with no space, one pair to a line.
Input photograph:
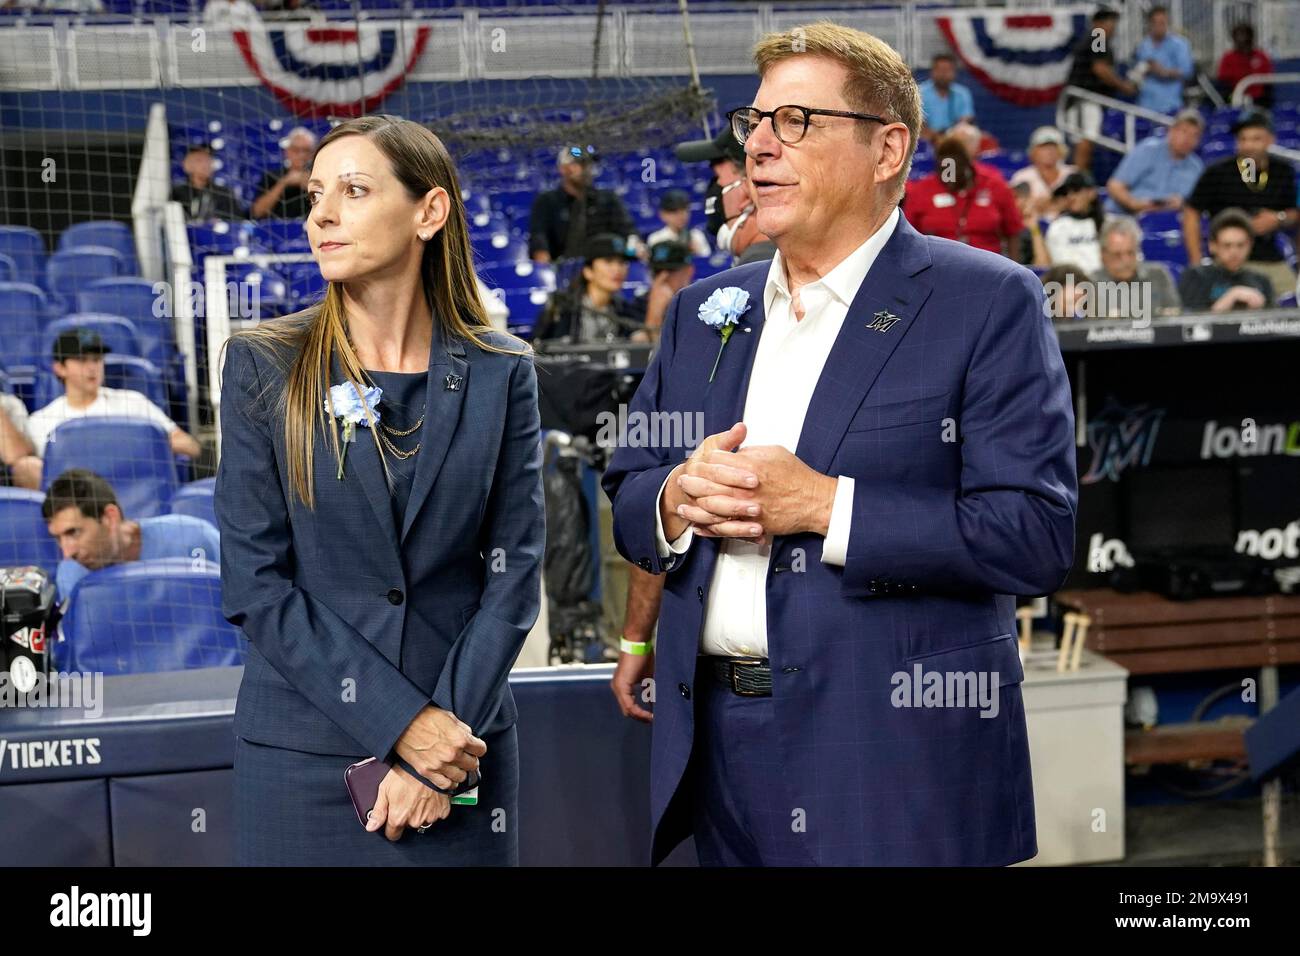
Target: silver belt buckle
[736,665]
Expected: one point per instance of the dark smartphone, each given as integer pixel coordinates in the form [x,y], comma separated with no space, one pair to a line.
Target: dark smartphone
[363,781]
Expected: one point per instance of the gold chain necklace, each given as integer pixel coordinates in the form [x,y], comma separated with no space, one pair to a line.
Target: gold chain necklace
[395,450]
[396,433]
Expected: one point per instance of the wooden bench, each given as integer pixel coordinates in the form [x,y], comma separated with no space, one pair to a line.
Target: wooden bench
[1147,633]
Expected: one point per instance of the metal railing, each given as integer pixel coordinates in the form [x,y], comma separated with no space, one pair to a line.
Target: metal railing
[1239,97]
[1131,112]
[1072,94]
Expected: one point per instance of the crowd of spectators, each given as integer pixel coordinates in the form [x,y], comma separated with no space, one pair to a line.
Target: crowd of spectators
[1052,215]
[1049,214]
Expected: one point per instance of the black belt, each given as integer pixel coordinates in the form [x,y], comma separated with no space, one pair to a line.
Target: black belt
[744,676]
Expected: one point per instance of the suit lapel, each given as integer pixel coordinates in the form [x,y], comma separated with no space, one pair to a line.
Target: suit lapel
[865,342]
[724,402]
[444,398]
[362,461]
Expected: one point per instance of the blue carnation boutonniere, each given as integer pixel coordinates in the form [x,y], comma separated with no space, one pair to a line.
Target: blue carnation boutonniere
[349,406]
[722,311]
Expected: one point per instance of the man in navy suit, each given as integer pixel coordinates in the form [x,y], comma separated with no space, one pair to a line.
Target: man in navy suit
[890,461]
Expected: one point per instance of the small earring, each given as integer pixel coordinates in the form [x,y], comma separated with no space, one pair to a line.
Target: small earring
[424,236]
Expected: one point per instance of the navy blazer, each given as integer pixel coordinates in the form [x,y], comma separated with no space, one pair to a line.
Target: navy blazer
[353,624]
[956,423]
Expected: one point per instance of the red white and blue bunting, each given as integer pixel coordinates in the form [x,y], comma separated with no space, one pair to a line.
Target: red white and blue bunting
[1022,57]
[318,71]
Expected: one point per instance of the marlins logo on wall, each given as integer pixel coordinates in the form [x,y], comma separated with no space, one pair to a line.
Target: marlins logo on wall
[1023,58]
[330,71]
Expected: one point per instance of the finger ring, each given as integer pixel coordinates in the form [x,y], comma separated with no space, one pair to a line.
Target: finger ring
[425,826]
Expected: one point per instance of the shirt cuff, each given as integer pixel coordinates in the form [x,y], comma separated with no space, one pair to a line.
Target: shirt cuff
[682,542]
[835,548]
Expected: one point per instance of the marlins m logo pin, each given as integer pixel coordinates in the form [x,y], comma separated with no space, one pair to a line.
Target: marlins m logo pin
[882,321]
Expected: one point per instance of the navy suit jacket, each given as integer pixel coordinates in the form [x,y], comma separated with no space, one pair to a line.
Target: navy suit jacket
[354,625]
[956,424]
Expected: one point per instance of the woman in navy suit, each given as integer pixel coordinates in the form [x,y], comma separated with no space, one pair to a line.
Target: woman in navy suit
[380,502]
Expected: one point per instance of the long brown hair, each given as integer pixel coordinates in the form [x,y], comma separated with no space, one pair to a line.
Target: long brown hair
[952,164]
[420,162]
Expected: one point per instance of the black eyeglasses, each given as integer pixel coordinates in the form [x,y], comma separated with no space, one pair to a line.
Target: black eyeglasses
[788,122]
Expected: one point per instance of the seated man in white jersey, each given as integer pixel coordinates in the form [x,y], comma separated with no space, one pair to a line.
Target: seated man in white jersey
[79,364]
[83,515]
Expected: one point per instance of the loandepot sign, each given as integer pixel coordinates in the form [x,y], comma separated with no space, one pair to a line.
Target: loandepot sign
[1248,440]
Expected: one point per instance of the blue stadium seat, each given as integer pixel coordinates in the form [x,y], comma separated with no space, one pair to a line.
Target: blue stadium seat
[23,308]
[102,234]
[514,203]
[211,238]
[306,284]
[128,296]
[1166,247]
[119,334]
[283,235]
[510,274]
[135,299]
[24,537]
[68,270]
[133,456]
[1160,220]
[195,499]
[27,249]
[272,289]
[705,266]
[475,202]
[525,306]
[138,375]
[8,268]
[144,617]
[45,387]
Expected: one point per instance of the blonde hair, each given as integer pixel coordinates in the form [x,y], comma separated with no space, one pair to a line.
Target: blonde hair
[310,338]
[879,81]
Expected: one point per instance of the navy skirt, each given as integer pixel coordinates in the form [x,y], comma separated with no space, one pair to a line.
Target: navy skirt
[293,809]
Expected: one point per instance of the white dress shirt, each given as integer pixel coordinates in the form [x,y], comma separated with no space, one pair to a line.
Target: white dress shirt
[788,362]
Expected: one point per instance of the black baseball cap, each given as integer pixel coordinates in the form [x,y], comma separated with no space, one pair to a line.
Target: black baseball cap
[675,199]
[669,254]
[722,146]
[1072,183]
[606,245]
[1252,119]
[77,342]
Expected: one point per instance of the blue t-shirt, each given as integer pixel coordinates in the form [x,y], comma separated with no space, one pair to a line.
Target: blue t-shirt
[1151,172]
[942,112]
[166,536]
[1156,92]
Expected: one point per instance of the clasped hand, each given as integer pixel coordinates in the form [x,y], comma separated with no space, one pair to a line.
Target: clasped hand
[754,493]
[443,750]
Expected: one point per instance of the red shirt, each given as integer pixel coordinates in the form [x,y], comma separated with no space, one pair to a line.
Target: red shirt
[980,216]
[1235,66]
